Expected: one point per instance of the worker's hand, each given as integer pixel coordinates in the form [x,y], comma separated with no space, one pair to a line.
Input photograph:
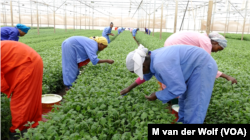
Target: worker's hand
[233,80]
[112,34]
[110,61]
[152,97]
[124,91]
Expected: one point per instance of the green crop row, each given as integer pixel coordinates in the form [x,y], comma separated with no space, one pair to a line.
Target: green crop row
[5,117]
[93,108]
[48,46]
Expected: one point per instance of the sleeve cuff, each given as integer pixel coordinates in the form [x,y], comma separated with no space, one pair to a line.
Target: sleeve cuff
[94,62]
[165,96]
[139,81]
[218,74]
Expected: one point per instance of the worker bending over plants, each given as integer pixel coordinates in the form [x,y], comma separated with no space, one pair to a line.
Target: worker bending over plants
[21,79]
[188,72]
[78,51]
[13,33]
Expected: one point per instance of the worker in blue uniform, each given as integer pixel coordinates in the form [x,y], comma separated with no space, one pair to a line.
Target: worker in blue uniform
[134,32]
[188,72]
[147,31]
[78,51]
[13,33]
[107,31]
[119,31]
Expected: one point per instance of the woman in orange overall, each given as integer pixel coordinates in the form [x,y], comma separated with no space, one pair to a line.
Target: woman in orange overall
[21,79]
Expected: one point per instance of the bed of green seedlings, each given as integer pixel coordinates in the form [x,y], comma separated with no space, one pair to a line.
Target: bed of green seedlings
[48,46]
[94,108]
[246,37]
[5,117]
[231,103]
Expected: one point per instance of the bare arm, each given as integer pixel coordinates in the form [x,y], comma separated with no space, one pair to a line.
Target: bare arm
[126,90]
[229,78]
[106,61]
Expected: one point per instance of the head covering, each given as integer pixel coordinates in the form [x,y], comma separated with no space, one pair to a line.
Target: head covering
[22,27]
[111,23]
[135,59]
[101,40]
[218,38]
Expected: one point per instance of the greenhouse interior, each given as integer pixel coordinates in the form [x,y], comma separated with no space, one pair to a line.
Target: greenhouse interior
[106,69]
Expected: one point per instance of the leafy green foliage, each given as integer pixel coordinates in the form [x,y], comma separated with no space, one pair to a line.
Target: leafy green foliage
[94,109]
[5,117]
[48,46]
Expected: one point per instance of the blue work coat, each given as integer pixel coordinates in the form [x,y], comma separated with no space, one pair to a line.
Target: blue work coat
[77,49]
[188,72]
[9,33]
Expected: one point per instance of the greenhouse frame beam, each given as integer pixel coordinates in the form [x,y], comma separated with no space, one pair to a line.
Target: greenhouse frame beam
[235,9]
[244,21]
[137,8]
[184,16]
[11,13]
[176,12]
[209,15]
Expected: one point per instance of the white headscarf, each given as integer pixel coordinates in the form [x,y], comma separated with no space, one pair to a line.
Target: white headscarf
[135,59]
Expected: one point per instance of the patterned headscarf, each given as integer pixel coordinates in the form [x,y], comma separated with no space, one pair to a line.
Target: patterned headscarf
[218,38]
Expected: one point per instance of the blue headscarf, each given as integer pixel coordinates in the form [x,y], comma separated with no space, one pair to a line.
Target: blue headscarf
[23,27]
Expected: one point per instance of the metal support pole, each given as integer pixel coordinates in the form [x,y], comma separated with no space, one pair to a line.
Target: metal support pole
[11,12]
[226,19]
[3,14]
[204,13]
[214,15]
[237,25]
[167,20]
[48,14]
[244,21]
[5,20]
[92,17]
[188,18]
[248,26]
[65,18]
[89,17]
[37,24]
[31,18]
[19,11]
[209,14]
[146,15]
[54,18]
[74,17]
[80,17]
[195,18]
[161,18]
[176,12]
[85,15]
[149,18]
[154,20]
